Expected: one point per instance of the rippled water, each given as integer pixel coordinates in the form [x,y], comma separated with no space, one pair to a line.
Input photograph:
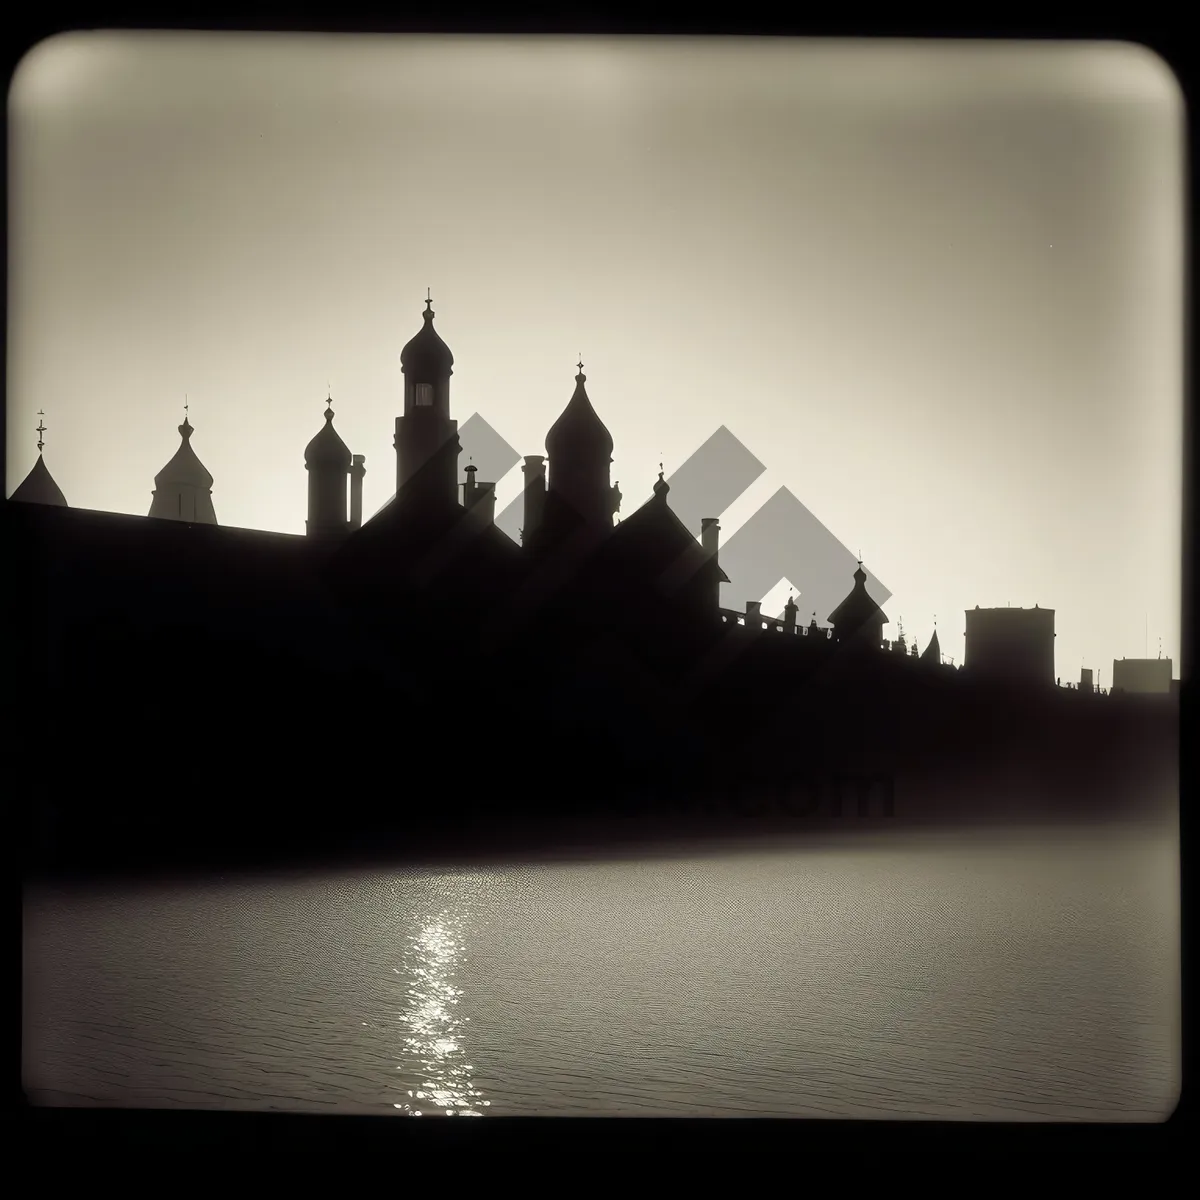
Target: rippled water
[1028,979]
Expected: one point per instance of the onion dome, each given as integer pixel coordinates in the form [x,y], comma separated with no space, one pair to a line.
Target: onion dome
[858,608]
[579,432]
[184,469]
[38,487]
[426,357]
[661,486]
[327,449]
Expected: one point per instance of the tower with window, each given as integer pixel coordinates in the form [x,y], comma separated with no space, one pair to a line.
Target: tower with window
[427,445]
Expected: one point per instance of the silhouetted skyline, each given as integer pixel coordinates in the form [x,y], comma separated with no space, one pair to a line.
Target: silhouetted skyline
[901,277]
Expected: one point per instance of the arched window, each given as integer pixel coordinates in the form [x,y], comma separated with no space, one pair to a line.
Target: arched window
[424,396]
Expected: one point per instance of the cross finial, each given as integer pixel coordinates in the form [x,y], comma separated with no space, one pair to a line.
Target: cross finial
[41,428]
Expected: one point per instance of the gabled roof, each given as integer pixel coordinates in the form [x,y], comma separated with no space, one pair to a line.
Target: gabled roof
[654,533]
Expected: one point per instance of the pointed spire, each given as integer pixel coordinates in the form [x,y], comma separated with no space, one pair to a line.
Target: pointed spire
[41,428]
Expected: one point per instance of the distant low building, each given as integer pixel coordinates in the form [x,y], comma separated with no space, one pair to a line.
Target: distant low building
[1144,676]
[1012,644]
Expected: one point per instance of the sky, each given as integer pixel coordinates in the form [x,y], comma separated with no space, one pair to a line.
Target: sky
[936,288]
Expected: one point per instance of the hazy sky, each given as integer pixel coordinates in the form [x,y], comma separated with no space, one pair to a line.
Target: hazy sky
[935,288]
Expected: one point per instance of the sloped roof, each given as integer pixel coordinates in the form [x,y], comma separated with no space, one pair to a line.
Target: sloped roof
[655,533]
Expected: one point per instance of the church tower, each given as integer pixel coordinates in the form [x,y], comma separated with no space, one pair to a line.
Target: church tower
[580,448]
[38,487]
[858,621]
[427,445]
[183,488]
[328,461]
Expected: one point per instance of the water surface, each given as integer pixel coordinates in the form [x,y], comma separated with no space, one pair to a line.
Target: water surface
[980,977]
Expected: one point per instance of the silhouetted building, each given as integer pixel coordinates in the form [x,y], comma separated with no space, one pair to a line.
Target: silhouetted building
[1011,644]
[579,495]
[1142,676]
[1085,680]
[858,621]
[427,445]
[607,641]
[329,464]
[183,488]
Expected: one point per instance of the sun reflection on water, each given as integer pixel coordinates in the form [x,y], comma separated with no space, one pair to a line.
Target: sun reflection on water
[433,1041]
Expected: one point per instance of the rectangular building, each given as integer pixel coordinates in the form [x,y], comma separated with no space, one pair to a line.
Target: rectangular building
[1085,679]
[1145,676]
[1011,644]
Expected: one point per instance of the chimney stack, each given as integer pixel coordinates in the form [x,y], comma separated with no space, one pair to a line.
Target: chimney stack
[754,614]
[357,471]
[534,470]
[710,532]
[479,499]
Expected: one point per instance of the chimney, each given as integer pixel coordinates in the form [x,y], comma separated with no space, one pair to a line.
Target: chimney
[789,615]
[481,501]
[357,471]
[754,614]
[534,470]
[709,533]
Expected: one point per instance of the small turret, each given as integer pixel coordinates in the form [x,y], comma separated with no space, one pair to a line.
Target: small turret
[183,488]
